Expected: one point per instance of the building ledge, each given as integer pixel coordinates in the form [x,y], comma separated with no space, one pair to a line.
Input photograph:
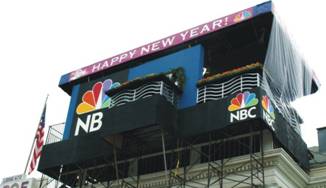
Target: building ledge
[280,171]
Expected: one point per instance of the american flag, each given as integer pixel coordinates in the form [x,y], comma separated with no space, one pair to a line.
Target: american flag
[39,141]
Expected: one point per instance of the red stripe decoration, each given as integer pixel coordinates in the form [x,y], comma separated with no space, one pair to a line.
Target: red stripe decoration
[39,141]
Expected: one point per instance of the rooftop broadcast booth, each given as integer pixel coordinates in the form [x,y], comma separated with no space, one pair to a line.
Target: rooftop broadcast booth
[200,96]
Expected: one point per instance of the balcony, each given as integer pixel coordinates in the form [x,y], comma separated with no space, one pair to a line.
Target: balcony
[140,110]
[216,91]
[55,133]
[169,85]
[144,90]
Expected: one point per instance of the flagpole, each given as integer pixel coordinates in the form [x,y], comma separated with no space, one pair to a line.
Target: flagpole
[29,156]
[30,152]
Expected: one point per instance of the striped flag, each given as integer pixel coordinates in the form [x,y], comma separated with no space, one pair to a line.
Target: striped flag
[39,141]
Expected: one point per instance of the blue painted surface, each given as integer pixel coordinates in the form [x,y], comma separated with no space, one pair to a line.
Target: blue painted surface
[262,8]
[191,59]
[64,79]
[71,111]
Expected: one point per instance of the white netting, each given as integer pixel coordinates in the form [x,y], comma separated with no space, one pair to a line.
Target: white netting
[285,76]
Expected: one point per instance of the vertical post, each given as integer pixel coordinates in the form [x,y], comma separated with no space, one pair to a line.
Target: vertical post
[83,176]
[222,164]
[258,80]
[140,151]
[164,155]
[223,90]
[184,176]
[134,96]
[204,93]
[47,136]
[59,177]
[111,102]
[29,156]
[262,154]
[41,181]
[138,176]
[209,160]
[251,156]
[161,87]
[116,164]
[197,94]
[172,97]
[241,83]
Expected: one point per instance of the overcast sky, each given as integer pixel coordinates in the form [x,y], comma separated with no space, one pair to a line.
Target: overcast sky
[40,40]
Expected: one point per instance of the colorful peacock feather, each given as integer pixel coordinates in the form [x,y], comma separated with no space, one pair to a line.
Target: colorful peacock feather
[267,106]
[243,100]
[96,98]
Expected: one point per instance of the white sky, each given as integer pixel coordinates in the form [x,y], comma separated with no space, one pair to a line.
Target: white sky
[40,40]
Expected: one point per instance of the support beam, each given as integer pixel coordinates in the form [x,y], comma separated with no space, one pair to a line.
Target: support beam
[164,156]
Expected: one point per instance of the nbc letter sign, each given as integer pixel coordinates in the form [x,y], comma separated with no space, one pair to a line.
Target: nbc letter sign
[94,99]
[243,106]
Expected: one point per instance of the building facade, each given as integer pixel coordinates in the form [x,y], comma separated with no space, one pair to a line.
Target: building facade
[206,107]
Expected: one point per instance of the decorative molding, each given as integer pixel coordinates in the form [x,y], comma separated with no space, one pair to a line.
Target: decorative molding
[282,170]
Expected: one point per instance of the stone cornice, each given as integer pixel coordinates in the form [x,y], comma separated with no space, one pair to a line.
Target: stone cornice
[277,162]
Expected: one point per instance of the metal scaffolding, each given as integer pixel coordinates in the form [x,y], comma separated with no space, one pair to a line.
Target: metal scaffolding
[179,157]
[216,168]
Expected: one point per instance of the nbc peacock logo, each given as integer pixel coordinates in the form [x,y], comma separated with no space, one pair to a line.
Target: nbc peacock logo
[267,106]
[93,99]
[96,98]
[242,16]
[243,106]
[243,100]
[268,112]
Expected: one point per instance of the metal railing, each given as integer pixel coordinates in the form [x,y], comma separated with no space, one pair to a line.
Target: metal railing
[144,91]
[216,91]
[55,133]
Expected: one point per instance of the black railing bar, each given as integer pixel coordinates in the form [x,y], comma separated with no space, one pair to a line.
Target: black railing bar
[56,124]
